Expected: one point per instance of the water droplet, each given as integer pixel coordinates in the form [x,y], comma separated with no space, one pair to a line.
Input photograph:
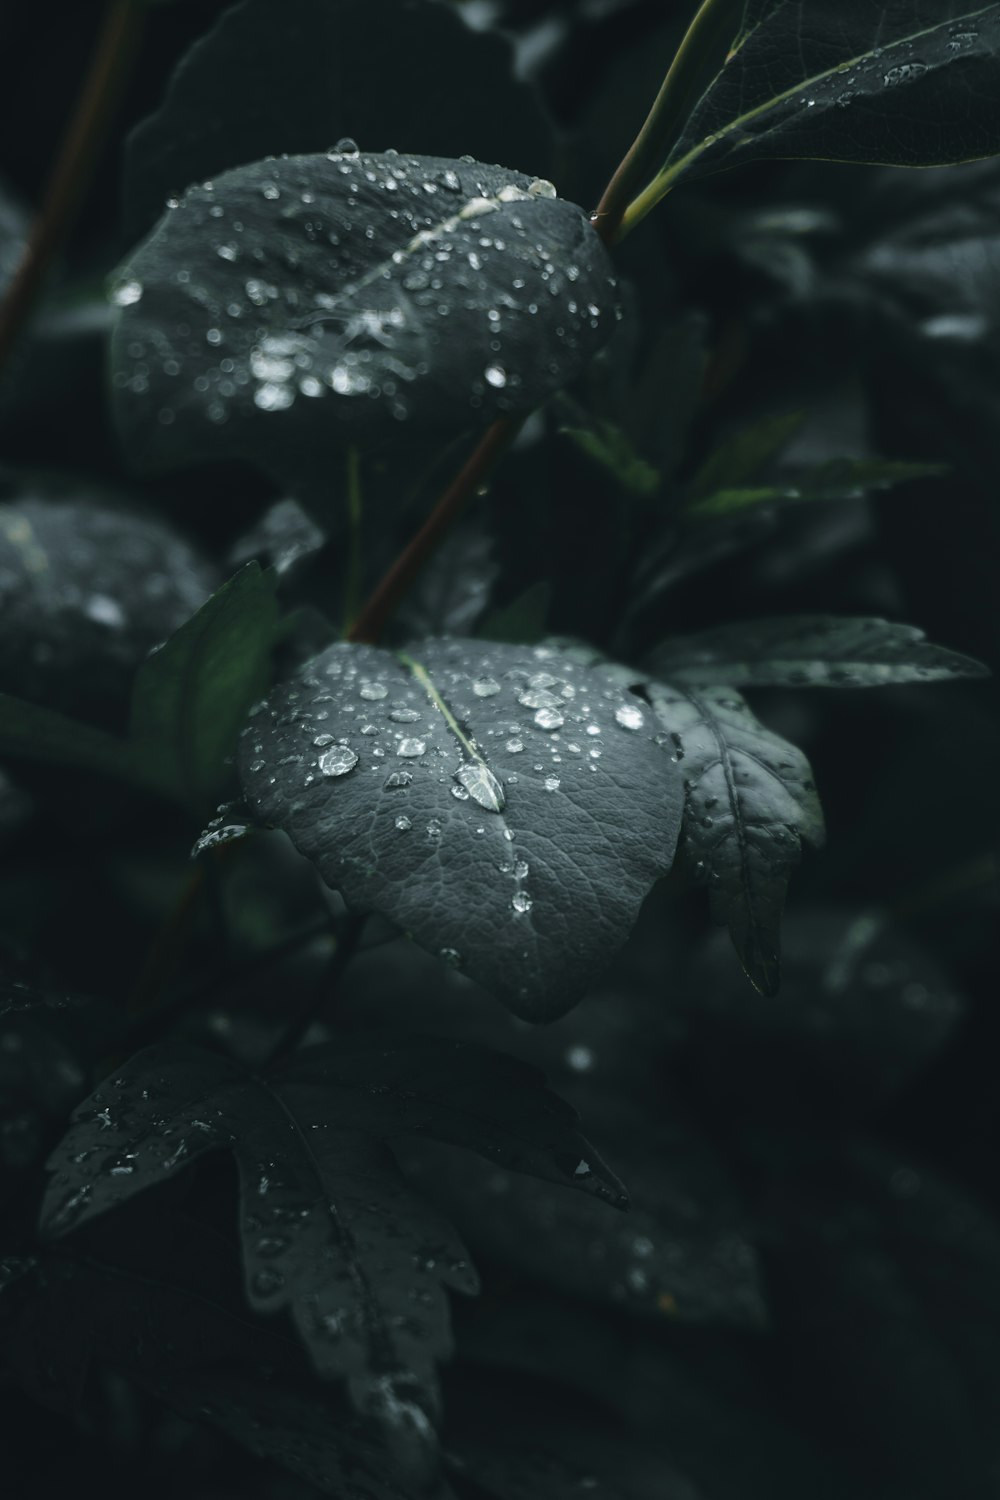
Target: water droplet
[521,902]
[338,761]
[629,717]
[403,715]
[481,785]
[551,783]
[549,719]
[347,146]
[267,1282]
[410,748]
[496,376]
[104,611]
[403,823]
[373,691]
[515,746]
[460,793]
[127,293]
[397,779]
[451,957]
[542,188]
[486,687]
[580,1059]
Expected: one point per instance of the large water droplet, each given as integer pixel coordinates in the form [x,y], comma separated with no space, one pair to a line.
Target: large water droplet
[521,902]
[549,718]
[485,687]
[481,785]
[127,293]
[496,376]
[629,717]
[347,146]
[411,748]
[373,691]
[403,715]
[337,761]
[397,779]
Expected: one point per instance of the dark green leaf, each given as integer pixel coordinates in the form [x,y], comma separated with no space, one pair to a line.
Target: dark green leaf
[741,456]
[839,479]
[611,447]
[508,808]
[192,695]
[908,83]
[328,1227]
[750,802]
[809,651]
[88,585]
[297,302]
[384,72]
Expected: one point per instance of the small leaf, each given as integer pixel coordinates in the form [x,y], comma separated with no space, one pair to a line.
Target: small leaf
[379,71]
[508,808]
[742,455]
[297,304]
[750,802]
[328,1227]
[610,446]
[192,695]
[840,479]
[910,83]
[809,651]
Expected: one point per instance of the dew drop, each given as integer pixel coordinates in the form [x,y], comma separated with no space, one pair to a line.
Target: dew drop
[127,293]
[549,718]
[496,376]
[338,761]
[486,687]
[551,783]
[397,779]
[403,715]
[521,902]
[629,717]
[347,146]
[403,823]
[373,691]
[411,748]
[479,783]
[515,746]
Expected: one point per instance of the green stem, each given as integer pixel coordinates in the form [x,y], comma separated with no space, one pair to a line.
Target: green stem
[705,41]
[74,164]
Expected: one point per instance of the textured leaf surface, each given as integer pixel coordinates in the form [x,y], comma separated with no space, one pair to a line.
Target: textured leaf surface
[508,808]
[809,651]
[328,1227]
[909,83]
[191,696]
[750,802]
[332,69]
[292,302]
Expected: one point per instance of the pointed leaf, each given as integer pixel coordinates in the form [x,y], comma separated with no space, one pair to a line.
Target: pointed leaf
[27,729]
[839,479]
[750,802]
[809,651]
[192,695]
[295,304]
[508,808]
[908,83]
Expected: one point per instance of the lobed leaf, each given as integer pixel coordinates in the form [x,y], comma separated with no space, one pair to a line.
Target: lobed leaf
[509,808]
[750,801]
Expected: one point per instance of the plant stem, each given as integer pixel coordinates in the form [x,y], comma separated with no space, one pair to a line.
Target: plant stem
[710,31]
[397,581]
[349,932]
[352,591]
[74,164]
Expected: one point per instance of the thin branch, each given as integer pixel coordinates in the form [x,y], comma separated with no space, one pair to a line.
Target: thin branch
[74,165]
[709,33]
[396,583]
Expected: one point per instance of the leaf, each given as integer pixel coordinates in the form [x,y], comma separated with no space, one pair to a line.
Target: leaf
[742,455]
[679,1256]
[328,1227]
[161,1303]
[522,621]
[192,695]
[508,808]
[13,236]
[297,304]
[38,733]
[610,446]
[280,539]
[750,801]
[88,585]
[809,651]
[380,71]
[839,479]
[454,587]
[908,83]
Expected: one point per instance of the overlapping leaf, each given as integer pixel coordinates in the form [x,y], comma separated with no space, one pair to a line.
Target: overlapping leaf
[809,651]
[328,1227]
[509,808]
[290,302]
[908,83]
[750,802]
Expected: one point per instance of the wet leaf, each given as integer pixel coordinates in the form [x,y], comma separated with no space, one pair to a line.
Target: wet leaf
[508,808]
[329,1228]
[191,696]
[809,651]
[909,83]
[332,69]
[750,801]
[838,479]
[88,585]
[296,304]
[679,1256]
